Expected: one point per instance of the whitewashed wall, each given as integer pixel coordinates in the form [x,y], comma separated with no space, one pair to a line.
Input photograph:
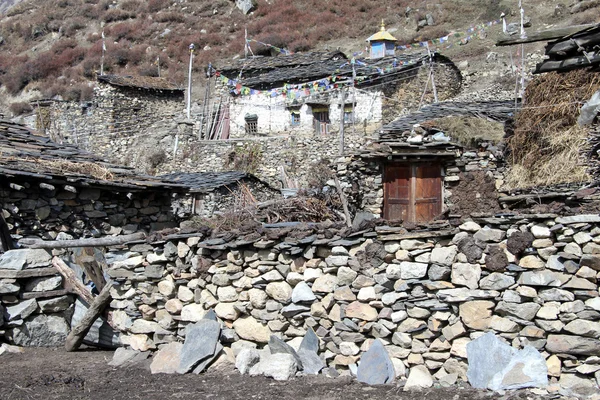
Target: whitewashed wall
[274,114]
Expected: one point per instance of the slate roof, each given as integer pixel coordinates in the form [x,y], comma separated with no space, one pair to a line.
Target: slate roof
[27,155]
[270,72]
[204,182]
[141,82]
[494,110]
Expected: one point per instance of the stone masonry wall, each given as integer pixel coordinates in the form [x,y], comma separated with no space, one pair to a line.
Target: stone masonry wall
[65,211]
[531,279]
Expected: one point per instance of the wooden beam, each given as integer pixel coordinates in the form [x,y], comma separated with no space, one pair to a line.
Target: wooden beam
[72,282]
[77,334]
[27,273]
[90,242]
[417,235]
[547,35]
[563,47]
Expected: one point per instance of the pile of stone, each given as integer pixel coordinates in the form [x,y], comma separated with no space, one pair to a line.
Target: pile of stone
[35,310]
[422,295]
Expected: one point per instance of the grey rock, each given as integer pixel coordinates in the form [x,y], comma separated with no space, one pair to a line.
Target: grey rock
[245,6]
[200,343]
[41,331]
[438,273]
[575,219]
[487,234]
[496,281]
[55,304]
[246,359]
[524,311]
[302,293]
[209,360]
[25,258]
[495,365]
[293,309]
[471,248]
[167,359]
[310,341]
[280,366]
[122,356]
[20,310]
[573,345]
[464,294]
[311,362]
[277,346]
[43,284]
[376,367]
[556,295]
[9,287]
[543,278]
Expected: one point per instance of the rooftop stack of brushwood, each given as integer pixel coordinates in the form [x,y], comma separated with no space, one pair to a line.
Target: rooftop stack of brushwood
[425,294]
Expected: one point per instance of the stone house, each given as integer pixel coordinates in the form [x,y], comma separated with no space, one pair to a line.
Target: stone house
[416,172]
[219,192]
[123,111]
[49,190]
[312,92]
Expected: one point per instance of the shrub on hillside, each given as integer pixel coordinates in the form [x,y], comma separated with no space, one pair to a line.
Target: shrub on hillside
[115,14]
[20,108]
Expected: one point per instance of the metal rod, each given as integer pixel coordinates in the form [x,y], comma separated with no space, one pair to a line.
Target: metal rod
[189,91]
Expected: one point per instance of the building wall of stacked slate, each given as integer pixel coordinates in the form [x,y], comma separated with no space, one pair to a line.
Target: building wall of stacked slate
[31,210]
[35,310]
[295,153]
[531,279]
[116,120]
[469,181]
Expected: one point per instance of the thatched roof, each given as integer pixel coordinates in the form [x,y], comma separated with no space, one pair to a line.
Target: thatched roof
[26,155]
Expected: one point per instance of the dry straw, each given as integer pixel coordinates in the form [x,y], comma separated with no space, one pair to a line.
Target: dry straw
[547,146]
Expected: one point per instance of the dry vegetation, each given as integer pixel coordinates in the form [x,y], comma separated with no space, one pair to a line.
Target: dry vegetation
[56,45]
[471,131]
[548,147]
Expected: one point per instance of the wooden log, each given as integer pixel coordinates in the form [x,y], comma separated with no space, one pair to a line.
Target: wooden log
[93,263]
[71,282]
[344,202]
[568,64]
[89,242]
[27,273]
[77,334]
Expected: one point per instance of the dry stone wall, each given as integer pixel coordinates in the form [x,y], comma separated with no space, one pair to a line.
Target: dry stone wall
[531,279]
[53,211]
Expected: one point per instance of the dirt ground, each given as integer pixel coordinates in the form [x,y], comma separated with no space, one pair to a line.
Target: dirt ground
[41,373]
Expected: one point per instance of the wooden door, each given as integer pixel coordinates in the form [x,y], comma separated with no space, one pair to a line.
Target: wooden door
[412,192]
[428,192]
[396,191]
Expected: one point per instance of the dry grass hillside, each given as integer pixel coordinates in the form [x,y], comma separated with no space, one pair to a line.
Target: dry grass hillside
[53,47]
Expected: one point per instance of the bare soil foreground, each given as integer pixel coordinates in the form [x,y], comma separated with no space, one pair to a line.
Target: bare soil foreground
[41,373]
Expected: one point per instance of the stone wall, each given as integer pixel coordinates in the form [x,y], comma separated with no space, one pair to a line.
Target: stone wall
[63,211]
[296,153]
[531,279]
[470,180]
[114,122]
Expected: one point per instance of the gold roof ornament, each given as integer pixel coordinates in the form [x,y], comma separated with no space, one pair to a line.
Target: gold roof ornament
[382,35]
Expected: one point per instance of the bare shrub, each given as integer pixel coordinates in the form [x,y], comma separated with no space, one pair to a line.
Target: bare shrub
[245,158]
[20,108]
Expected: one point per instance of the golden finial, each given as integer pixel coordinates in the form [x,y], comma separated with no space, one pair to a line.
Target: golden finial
[382,26]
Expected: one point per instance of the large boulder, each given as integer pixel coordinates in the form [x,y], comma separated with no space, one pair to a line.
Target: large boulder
[495,365]
[376,367]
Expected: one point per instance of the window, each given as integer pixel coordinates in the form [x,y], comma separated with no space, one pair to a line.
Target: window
[295,118]
[251,124]
[348,117]
[412,192]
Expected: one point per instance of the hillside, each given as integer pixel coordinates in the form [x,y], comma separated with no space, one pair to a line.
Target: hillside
[54,47]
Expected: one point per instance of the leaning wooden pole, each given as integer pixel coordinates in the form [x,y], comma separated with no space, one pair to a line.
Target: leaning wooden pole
[77,334]
[72,282]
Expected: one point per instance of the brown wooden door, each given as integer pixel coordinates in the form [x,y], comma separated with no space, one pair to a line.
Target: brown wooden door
[412,192]
[397,192]
[428,192]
